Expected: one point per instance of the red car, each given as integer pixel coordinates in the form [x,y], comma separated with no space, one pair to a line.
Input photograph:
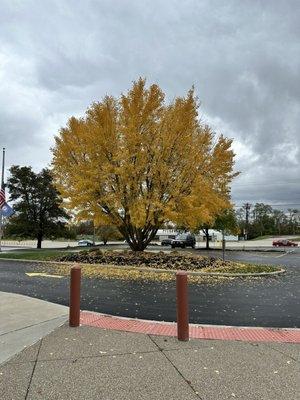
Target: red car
[280,243]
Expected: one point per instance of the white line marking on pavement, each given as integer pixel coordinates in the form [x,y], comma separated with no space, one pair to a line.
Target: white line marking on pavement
[281,255]
[286,253]
[32,274]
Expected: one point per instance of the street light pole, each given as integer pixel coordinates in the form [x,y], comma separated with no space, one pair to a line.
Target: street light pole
[2,187]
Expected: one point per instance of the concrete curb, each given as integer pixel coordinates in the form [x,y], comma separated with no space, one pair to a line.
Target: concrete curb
[86,313]
[197,331]
[156,270]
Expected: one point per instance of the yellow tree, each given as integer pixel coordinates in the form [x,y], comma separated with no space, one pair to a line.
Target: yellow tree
[137,162]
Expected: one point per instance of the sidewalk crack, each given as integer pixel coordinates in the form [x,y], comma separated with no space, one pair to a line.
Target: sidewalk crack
[35,363]
[176,369]
[96,356]
[281,352]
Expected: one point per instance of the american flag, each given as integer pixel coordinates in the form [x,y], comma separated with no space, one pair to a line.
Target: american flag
[2,197]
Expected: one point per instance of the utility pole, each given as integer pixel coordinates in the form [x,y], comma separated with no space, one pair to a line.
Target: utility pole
[2,187]
[223,244]
[247,207]
[94,231]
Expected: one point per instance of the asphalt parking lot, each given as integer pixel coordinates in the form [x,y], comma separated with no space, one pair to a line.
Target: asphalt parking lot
[272,301]
[288,258]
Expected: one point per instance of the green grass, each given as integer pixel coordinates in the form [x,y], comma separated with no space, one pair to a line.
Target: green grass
[262,237]
[297,239]
[43,254]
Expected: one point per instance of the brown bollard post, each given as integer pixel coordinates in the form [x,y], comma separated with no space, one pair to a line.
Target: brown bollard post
[74,312]
[182,306]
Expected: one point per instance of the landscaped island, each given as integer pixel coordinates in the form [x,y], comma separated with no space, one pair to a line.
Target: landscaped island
[130,265]
[161,260]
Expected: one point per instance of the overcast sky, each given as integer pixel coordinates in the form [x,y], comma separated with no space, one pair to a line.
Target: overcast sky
[57,57]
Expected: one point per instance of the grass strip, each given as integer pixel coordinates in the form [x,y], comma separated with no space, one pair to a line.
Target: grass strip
[43,254]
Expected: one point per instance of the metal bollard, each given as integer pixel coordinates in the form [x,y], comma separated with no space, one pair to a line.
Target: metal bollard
[74,310]
[182,306]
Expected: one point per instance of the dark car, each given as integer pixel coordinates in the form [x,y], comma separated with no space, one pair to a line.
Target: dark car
[283,243]
[166,242]
[184,240]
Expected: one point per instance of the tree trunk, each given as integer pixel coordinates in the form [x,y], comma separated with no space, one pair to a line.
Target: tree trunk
[39,240]
[138,238]
[139,246]
[206,234]
[207,242]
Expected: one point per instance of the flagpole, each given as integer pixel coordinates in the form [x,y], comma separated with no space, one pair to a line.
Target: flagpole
[2,187]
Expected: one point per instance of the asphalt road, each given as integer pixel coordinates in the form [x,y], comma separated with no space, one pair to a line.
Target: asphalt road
[272,301]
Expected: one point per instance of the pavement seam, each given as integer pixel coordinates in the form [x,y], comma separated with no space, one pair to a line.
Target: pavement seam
[282,352]
[268,345]
[96,356]
[30,326]
[34,366]
[187,348]
[176,369]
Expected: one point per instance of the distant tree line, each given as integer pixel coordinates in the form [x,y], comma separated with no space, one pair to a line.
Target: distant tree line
[265,220]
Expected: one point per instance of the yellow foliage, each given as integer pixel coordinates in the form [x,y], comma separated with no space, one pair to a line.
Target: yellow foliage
[137,162]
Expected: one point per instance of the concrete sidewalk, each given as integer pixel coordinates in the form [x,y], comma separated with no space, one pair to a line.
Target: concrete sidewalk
[25,320]
[91,363]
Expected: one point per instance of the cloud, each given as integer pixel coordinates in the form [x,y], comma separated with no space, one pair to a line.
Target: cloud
[243,58]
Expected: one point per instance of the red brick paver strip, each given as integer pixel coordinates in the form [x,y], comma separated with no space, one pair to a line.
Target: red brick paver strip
[196,331]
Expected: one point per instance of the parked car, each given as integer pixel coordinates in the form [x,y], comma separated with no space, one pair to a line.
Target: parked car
[166,242]
[85,242]
[184,240]
[280,243]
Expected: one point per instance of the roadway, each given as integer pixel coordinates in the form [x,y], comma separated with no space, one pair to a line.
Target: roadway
[272,301]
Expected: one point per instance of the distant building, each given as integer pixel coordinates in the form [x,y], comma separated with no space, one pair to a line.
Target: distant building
[166,234]
[200,237]
[217,236]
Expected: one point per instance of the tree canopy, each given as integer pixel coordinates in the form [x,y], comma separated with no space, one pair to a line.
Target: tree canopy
[37,205]
[107,232]
[225,222]
[136,162]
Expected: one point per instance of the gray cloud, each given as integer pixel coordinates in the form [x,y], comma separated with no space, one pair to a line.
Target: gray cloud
[243,58]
